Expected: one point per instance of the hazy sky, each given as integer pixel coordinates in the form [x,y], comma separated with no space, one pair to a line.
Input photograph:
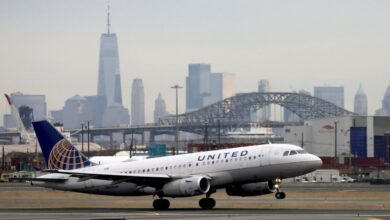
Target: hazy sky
[51,47]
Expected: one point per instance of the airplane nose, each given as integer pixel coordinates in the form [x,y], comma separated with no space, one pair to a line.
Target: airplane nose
[316,162]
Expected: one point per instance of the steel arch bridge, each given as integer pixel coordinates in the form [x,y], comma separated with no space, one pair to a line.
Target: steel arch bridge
[235,111]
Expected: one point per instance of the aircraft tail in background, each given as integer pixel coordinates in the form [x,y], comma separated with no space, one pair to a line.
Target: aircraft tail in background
[25,135]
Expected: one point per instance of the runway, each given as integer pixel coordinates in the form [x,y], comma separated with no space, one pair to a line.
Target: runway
[304,201]
[291,214]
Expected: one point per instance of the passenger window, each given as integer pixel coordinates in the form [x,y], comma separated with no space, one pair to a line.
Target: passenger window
[250,158]
[285,153]
[293,152]
[156,169]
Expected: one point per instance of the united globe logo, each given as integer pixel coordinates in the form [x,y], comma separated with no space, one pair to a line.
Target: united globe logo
[65,156]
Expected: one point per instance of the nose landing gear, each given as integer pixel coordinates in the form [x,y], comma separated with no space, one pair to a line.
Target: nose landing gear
[279,194]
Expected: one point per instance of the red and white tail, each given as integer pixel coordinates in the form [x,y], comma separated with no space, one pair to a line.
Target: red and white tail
[26,136]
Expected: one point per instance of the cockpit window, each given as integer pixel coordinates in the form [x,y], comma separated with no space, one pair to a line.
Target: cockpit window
[286,153]
[301,151]
[293,152]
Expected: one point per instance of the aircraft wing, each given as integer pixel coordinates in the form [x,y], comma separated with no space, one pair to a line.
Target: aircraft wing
[50,180]
[154,180]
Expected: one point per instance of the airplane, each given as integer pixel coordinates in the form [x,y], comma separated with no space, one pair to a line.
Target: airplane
[243,171]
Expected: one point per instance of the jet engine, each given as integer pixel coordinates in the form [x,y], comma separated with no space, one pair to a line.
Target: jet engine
[251,189]
[191,186]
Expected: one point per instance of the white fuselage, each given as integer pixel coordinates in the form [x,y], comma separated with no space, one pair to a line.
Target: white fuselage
[223,167]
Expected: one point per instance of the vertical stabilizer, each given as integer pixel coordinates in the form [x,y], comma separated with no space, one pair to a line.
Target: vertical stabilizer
[25,135]
[58,152]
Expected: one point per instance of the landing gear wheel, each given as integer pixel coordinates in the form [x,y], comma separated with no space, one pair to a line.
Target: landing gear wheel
[161,204]
[280,195]
[207,203]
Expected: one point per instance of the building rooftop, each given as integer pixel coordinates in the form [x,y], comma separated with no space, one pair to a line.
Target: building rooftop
[360,91]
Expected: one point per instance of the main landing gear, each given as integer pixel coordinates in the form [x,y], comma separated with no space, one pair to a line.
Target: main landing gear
[204,203]
[208,203]
[278,194]
[161,204]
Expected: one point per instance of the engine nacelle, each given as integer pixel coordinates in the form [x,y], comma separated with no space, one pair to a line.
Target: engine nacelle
[251,189]
[191,186]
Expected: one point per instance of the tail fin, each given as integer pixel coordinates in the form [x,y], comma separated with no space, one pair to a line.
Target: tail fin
[59,153]
[26,136]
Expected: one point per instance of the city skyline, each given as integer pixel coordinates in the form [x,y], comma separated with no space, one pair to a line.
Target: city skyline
[294,44]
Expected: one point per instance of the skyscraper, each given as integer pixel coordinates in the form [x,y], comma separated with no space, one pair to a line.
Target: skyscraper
[115,115]
[265,112]
[73,112]
[109,73]
[386,102]
[197,85]
[360,104]
[94,109]
[160,110]
[118,90]
[333,94]
[137,103]
[222,86]
[36,102]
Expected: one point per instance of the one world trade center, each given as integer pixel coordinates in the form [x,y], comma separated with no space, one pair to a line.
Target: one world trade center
[109,84]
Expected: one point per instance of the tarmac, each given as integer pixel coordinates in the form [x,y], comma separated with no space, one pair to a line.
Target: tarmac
[303,201]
